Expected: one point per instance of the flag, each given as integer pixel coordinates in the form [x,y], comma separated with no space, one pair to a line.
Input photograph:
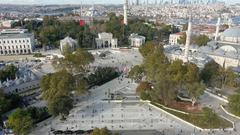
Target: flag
[82,23]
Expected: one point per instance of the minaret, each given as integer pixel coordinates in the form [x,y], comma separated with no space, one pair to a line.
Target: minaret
[188,41]
[217,28]
[230,22]
[125,8]
[81,9]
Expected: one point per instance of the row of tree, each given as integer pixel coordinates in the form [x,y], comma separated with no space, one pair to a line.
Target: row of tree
[51,30]
[8,102]
[22,120]
[102,75]
[168,77]
[57,88]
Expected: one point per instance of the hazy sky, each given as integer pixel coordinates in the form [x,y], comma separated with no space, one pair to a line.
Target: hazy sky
[76,1]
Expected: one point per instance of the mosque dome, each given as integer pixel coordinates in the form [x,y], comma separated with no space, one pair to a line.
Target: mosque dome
[231,35]
[227,51]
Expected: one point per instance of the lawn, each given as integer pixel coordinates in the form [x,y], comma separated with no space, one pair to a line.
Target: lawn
[205,120]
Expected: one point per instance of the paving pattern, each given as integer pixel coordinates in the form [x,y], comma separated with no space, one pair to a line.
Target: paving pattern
[131,114]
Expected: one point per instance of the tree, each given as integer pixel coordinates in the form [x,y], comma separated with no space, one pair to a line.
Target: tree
[182,39]
[5,103]
[156,63]
[165,89]
[201,40]
[234,104]
[143,87]
[57,85]
[60,105]
[216,76]
[136,73]
[38,113]
[76,62]
[228,78]
[20,121]
[102,75]
[67,50]
[56,89]
[8,102]
[192,74]
[9,72]
[209,74]
[81,86]
[103,131]
[195,90]
[147,49]
[178,70]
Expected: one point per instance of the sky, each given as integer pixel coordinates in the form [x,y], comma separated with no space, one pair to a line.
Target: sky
[77,1]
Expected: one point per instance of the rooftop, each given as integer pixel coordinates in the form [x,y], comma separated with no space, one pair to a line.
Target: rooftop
[19,35]
[232,32]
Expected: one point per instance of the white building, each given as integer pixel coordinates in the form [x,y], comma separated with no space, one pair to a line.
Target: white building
[106,40]
[15,41]
[136,40]
[173,39]
[69,43]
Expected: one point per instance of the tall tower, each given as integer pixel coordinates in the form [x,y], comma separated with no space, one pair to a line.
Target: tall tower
[137,2]
[217,28]
[125,8]
[188,41]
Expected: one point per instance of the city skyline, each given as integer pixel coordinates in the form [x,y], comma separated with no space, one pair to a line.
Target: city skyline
[45,2]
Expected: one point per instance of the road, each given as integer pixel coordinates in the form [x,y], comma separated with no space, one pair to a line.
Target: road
[215,103]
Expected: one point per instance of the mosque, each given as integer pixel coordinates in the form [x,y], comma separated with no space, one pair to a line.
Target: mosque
[25,80]
[224,49]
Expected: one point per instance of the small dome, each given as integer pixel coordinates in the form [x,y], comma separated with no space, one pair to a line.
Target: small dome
[228,48]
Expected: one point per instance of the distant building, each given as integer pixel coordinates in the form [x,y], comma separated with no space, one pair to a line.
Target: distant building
[69,43]
[173,39]
[106,40]
[7,24]
[136,40]
[16,41]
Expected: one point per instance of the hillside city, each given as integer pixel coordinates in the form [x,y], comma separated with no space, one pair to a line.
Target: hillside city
[137,67]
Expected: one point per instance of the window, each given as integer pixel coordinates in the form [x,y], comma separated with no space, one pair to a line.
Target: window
[19,41]
[4,42]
